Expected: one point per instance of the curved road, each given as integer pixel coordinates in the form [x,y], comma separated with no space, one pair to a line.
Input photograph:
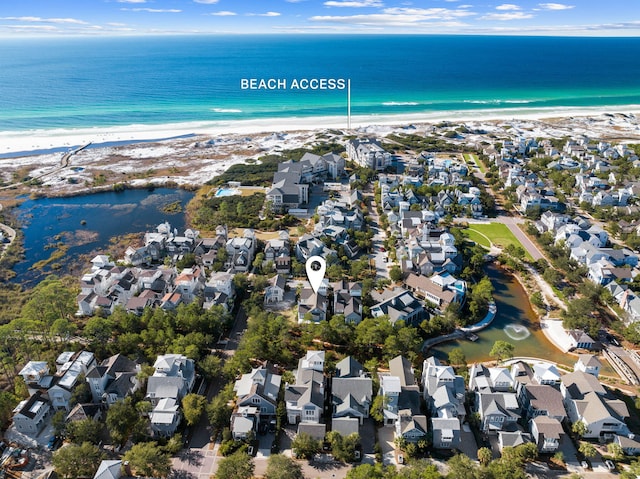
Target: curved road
[10,234]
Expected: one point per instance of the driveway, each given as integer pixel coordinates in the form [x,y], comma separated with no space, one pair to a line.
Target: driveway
[388,447]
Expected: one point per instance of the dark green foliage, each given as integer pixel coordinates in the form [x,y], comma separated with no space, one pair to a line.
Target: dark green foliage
[283,467]
[236,466]
[75,461]
[234,211]
[86,430]
[148,459]
[305,447]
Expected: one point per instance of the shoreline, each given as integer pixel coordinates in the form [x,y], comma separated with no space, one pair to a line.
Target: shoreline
[44,141]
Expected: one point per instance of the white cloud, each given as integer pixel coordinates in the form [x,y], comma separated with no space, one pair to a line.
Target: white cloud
[152,10]
[555,6]
[45,20]
[429,13]
[508,6]
[131,1]
[354,3]
[505,17]
[47,28]
[206,2]
[465,6]
[403,17]
[223,13]
[267,14]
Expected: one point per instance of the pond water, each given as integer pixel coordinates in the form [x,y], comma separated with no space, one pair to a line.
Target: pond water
[84,225]
[515,322]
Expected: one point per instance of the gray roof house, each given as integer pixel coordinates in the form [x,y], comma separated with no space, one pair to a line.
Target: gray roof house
[541,400]
[498,411]
[165,417]
[351,397]
[445,432]
[257,396]
[174,377]
[586,400]
[113,379]
[31,415]
[589,364]
[305,398]
[547,432]
[629,444]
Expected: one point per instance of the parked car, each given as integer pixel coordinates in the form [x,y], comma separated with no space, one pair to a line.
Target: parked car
[609,465]
[54,443]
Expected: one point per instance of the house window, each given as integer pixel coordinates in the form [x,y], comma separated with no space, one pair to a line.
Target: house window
[255,400]
[309,412]
[445,444]
[263,409]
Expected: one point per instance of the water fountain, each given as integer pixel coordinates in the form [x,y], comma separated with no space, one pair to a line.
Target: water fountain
[517,332]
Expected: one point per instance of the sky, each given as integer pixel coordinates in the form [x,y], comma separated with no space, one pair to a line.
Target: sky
[157,17]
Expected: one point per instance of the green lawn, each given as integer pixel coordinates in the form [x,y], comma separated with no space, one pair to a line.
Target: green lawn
[498,233]
[479,238]
[470,157]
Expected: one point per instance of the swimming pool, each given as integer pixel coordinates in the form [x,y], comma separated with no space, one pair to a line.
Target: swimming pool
[226,192]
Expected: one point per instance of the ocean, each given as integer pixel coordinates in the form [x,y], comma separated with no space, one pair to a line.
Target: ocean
[69,83]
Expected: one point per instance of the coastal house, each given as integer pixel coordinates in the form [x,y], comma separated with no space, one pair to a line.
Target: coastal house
[259,388]
[70,367]
[398,304]
[541,400]
[440,290]
[289,189]
[351,391]
[347,300]
[402,401]
[113,379]
[305,399]
[219,290]
[482,378]
[589,364]
[174,377]
[351,397]
[547,432]
[30,415]
[241,251]
[444,393]
[587,401]
[33,373]
[498,411]
[629,444]
[109,469]
[278,252]
[274,293]
[580,340]
[312,245]
[165,417]
[312,306]
[368,153]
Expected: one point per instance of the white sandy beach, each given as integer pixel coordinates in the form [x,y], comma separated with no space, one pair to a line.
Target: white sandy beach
[211,148]
[31,140]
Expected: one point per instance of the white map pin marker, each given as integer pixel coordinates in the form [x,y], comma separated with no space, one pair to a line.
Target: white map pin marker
[316,267]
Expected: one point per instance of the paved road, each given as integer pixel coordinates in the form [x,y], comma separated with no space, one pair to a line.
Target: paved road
[512,223]
[9,234]
[379,236]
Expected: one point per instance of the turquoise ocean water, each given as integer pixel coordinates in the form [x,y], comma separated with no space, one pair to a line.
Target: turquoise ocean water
[102,82]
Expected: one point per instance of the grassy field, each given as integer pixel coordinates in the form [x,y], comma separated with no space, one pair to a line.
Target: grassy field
[478,237]
[470,157]
[498,233]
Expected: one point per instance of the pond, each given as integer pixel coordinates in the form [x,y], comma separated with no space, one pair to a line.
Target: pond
[515,322]
[58,232]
